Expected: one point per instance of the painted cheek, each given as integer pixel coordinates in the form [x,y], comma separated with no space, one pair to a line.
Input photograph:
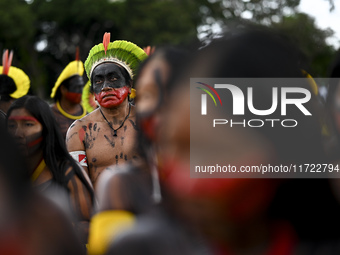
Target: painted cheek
[148,127]
[73,97]
[243,197]
[97,89]
[112,98]
[34,143]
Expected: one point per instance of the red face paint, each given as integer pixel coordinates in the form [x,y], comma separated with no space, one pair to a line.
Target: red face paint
[74,98]
[23,118]
[148,127]
[242,196]
[34,142]
[30,144]
[112,98]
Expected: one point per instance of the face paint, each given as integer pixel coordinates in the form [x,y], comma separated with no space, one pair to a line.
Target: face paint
[26,130]
[112,98]
[149,126]
[28,118]
[76,84]
[34,143]
[74,98]
[107,76]
[30,144]
[242,197]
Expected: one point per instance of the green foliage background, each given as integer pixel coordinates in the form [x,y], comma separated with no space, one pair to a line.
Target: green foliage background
[61,25]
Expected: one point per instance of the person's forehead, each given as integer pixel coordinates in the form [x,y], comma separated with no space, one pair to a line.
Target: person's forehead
[106,68]
[76,80]
[20,111]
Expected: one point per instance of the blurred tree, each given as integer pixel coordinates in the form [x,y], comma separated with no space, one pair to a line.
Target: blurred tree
[45,33]
[17,31]
[302,31]
[63,24]
[227,13]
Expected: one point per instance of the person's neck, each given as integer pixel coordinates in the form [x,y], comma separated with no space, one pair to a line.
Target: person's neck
[69,107]
[117,113]
[34,160]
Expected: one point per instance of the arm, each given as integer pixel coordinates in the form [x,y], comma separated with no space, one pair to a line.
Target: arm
[81,202]
[75,144]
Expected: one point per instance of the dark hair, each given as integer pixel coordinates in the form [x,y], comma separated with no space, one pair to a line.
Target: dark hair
[174,57]
[265,54]
[126,76]
[7,87]
[55,153]
[334,73]
[13,172]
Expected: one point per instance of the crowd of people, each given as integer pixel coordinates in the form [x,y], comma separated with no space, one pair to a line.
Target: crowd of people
[105,169]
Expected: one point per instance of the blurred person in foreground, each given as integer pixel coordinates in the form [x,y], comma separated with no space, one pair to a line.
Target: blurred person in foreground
[107,135]
[67,94]
[333,113]
[51,168]
[14,83]
[333,106]
[29,223]
[239,215]
[128,191]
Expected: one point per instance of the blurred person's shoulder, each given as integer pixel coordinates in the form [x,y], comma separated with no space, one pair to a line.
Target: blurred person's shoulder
[157,233]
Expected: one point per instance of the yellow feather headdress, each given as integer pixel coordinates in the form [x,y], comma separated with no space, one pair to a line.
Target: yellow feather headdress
[21,80]
[124,53]
[73,68]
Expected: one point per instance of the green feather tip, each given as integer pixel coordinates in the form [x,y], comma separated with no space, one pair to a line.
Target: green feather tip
[126,52]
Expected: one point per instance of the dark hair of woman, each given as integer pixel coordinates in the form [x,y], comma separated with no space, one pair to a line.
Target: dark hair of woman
[55,153]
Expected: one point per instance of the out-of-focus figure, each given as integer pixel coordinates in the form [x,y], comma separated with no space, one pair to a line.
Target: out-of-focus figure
[67,93]
[238,215]
[29,223]
[51,168]
[14,83]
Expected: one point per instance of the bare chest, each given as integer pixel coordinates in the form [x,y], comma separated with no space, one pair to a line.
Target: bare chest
[104,148]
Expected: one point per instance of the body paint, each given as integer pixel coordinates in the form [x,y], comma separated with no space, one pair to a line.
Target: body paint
[82,132]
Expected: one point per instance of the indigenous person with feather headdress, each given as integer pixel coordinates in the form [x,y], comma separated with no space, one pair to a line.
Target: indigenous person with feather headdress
[107,136]
[14,83]
[67,93]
